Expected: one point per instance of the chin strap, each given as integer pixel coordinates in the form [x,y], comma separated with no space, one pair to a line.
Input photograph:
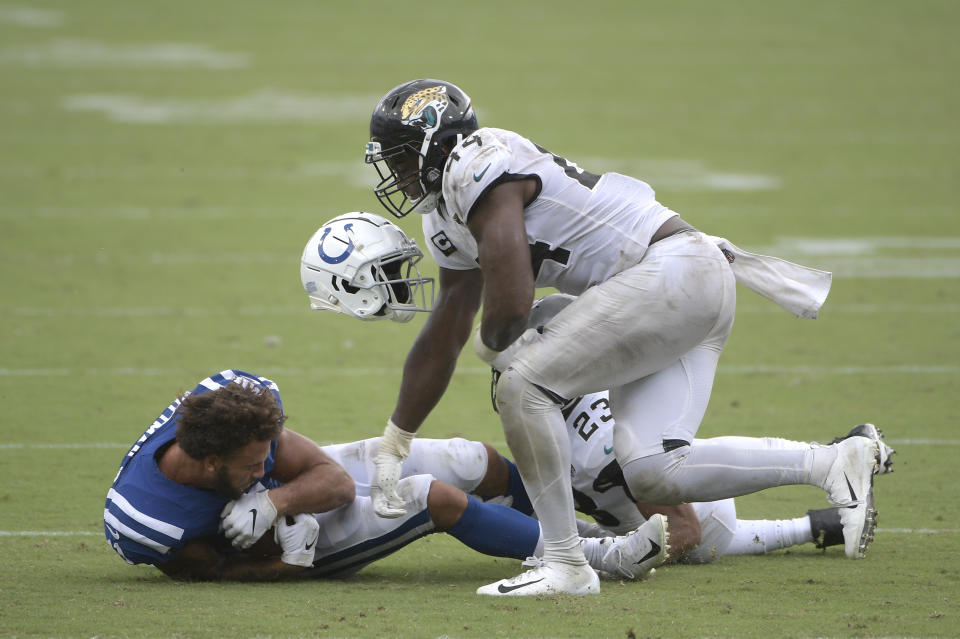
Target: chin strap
[433,175]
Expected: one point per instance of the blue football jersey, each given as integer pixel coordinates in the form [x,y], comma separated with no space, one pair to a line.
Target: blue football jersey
[148,518]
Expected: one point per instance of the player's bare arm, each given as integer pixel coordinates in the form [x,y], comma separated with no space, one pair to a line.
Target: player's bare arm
[433,356]
[497,224]
[684,525]
[313,482]
[201,561]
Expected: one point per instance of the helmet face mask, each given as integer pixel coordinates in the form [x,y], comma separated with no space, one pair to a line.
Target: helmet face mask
[399,188]
[413,128]
[363,265]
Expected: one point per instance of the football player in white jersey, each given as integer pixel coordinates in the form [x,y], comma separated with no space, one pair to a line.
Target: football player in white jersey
[656,302]
[699,532]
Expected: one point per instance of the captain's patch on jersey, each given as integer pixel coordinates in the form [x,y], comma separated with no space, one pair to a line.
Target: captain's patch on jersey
[443,243]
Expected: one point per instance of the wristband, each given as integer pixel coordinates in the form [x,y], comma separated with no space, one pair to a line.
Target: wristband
[483,351]
[396,441]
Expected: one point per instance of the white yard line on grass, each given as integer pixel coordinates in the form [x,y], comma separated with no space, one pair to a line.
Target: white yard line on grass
[264,105]
[88,533]
[86,53]
[31,17]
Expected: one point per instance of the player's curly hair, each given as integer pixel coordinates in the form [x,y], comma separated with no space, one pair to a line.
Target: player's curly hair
[222,421]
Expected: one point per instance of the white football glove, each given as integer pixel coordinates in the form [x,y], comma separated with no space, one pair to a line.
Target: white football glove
[245,520]
[500,360]
[394,448]
[297,535]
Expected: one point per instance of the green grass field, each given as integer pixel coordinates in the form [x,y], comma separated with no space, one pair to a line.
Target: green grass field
[162,165]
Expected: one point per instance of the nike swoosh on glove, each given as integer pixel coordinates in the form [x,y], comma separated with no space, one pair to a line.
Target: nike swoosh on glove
[297,535]
[245,520]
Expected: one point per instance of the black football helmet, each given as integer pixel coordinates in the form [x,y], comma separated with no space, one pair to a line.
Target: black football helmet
[408,131]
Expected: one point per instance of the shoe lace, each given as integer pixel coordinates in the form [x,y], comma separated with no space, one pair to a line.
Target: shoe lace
[613,558]
[533,562]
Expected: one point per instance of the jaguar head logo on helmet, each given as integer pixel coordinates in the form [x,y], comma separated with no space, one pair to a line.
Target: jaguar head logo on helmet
[363,265]
[412,130]
[424,108]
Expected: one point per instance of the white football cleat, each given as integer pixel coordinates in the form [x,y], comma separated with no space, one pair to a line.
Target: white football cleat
[636,554]
[849,484]
[546,579]
[885,464]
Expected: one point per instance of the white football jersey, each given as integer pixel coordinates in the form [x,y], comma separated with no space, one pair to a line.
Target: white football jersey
[582,228]
[599,489]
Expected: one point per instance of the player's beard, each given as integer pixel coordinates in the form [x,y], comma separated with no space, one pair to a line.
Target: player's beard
[224,487]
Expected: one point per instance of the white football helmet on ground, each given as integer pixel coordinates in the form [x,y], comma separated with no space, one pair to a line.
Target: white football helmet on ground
[363,265]
[545,308]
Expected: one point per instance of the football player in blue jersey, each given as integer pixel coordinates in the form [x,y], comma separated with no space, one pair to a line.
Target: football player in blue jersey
[218,460]
[656,303]
[200,490]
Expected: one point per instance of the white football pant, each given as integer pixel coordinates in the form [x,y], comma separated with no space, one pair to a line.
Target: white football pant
[652,335]
[456,461]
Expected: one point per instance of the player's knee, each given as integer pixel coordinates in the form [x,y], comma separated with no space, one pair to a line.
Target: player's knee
[414,491]
[652,479]
[445,504]
[510,389]
[516,394]
[468,462]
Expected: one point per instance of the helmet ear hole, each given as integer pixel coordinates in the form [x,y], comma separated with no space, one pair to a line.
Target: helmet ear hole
[399,290]
[344,284]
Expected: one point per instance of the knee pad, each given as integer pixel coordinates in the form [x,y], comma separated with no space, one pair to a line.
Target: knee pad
[456,461]
[466,463]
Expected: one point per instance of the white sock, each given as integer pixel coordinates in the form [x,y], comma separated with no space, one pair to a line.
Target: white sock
[594,548]
[760,536]
[536,433]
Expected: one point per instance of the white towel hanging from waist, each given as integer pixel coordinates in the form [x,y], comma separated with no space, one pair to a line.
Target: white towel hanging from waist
[799,289]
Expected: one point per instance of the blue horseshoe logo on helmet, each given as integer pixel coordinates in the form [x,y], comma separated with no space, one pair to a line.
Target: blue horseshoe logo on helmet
[335,259]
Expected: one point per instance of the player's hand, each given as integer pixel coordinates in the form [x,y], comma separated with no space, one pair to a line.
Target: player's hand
[297,536]
[383,492]
[394,448]
[500,360]
[245,520]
